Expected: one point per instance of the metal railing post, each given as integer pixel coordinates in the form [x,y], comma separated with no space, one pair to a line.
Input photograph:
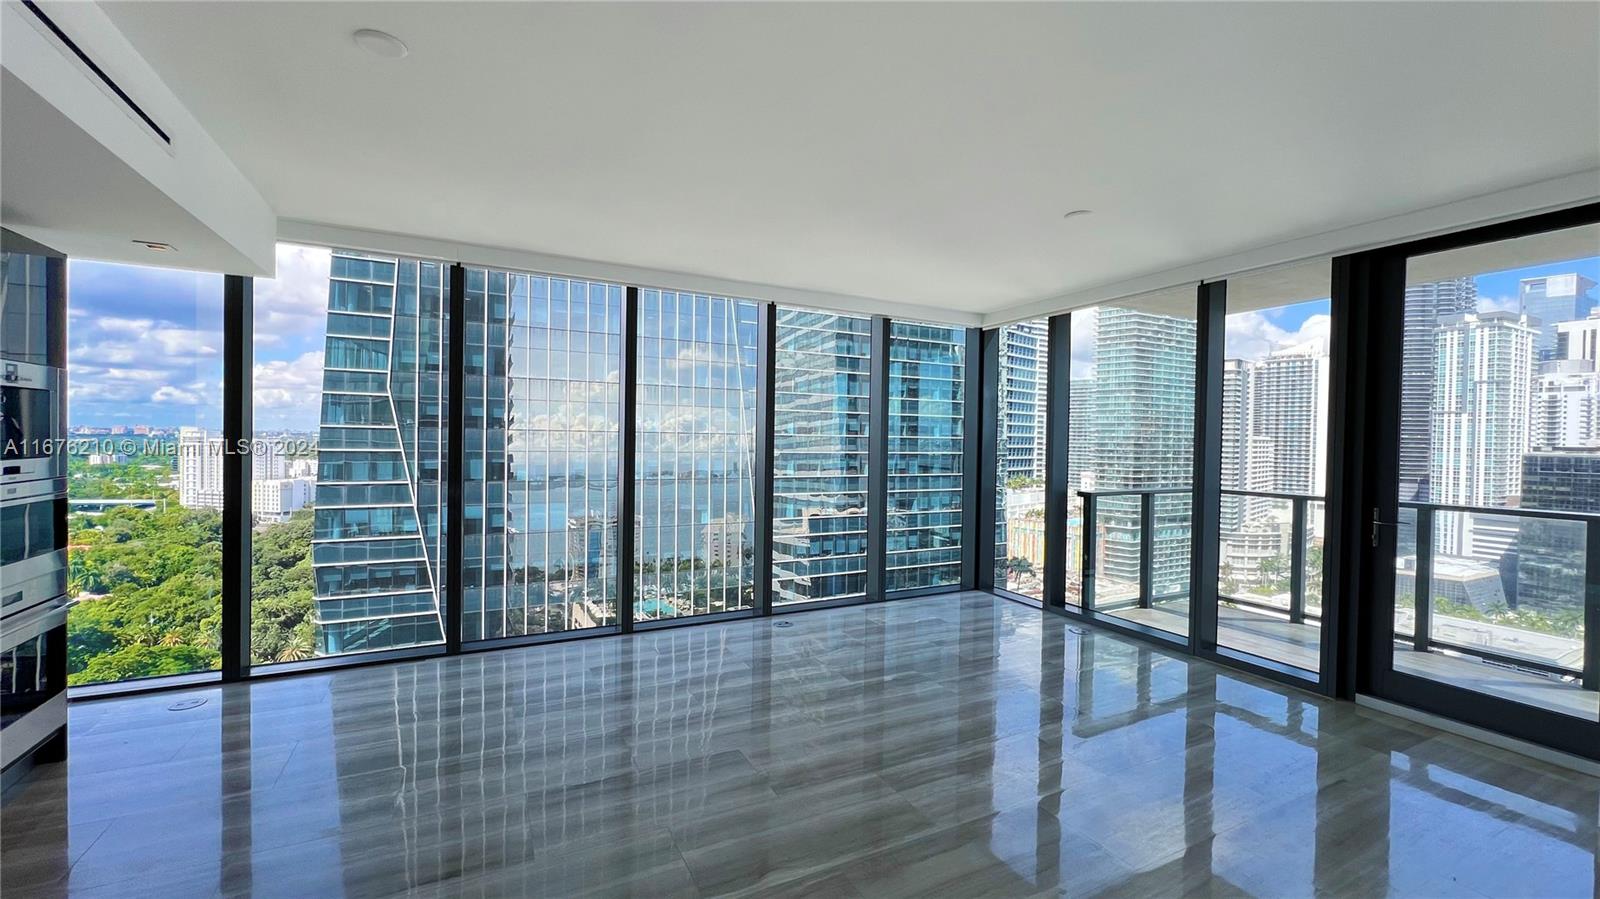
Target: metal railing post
[1422,590]
[1147,545]
[1297,561]
[1090,550]
[1591,628]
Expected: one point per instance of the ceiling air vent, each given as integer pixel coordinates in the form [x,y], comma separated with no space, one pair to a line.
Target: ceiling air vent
[98,72]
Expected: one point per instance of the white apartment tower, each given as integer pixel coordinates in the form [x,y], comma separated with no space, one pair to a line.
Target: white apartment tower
[1274,428]
[200,458]
[1481,403]
[1566,392]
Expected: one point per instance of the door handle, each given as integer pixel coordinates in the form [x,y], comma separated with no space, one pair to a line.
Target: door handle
[1377,523]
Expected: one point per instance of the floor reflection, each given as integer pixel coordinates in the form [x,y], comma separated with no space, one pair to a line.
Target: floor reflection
[954,746]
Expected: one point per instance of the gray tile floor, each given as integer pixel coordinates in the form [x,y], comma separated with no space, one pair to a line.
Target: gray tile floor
[952,746]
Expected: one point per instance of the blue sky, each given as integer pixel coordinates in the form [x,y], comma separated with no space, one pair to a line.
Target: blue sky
[1498,290]
[145,344]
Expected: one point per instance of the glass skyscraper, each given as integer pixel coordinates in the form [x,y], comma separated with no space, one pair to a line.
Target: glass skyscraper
[820,420]
[540,532]
[379,537]
[927,367]
[1144,439]
[1426,303]
[1551,300]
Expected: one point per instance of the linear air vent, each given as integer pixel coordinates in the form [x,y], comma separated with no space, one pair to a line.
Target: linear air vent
[98,72]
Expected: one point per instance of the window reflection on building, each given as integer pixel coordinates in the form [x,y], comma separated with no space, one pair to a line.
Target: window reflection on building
[927,369]
[696,422]
[820,424]
[541,530]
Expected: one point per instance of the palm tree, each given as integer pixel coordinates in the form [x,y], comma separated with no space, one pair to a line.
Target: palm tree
[297,648]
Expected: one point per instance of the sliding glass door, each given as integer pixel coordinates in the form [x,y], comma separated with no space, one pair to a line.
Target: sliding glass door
[1487,516]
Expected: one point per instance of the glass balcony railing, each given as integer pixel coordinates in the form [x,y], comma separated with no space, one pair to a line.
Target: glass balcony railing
[1135,558]
[1271,558]
[1516,588]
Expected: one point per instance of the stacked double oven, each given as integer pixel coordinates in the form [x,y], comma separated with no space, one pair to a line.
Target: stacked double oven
[33,505]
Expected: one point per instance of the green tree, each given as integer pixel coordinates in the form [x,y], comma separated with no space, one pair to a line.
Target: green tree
[282,591]
[146,661]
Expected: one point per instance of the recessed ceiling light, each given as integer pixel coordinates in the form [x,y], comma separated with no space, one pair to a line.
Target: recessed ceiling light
[156,245]
[1077,212]
[380,43]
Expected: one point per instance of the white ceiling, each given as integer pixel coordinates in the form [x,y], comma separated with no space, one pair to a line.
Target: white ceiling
[917,153]
[67,191]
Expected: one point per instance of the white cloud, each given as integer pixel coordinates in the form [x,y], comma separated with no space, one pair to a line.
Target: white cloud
[1085,324]
[287,382]
[1499,304]
[167,393]
[1251,335]
[287,393]
[294,304]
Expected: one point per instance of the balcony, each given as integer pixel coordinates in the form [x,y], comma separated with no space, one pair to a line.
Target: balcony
[1495,601]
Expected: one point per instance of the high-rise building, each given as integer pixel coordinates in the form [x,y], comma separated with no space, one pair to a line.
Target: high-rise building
[1023,358]
[1484,367]
[1579,339]
[1144,408]
[200,457]
[1565,405]
[199,469]
[378,543]
[539,548]
[1550,560]
[820,423]
[591,545]
[1553,299]
[1425,304]
[1274,439]
[1236,431]
[1081,451]
[1288,398]
[927,365]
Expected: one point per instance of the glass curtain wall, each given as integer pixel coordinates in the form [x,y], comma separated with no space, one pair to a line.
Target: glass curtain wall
[1019,458]
[541,443]
[927,369]
[820,420]
[144,374]
[1274,464]
[695,423]
[1131,458]
[348,398]
[348,483]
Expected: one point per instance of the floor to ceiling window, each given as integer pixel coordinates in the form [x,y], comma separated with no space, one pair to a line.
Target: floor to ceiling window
[927,371]
[145,472]
[1130,457]
[352,483]
[1019,458]
[1274,465]
[695,421]
[542,529]
[1499,464]
[820,420]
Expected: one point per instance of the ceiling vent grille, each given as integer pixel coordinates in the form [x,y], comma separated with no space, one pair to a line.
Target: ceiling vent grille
[98,72]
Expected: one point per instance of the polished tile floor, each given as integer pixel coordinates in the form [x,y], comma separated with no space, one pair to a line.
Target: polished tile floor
[952,746]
